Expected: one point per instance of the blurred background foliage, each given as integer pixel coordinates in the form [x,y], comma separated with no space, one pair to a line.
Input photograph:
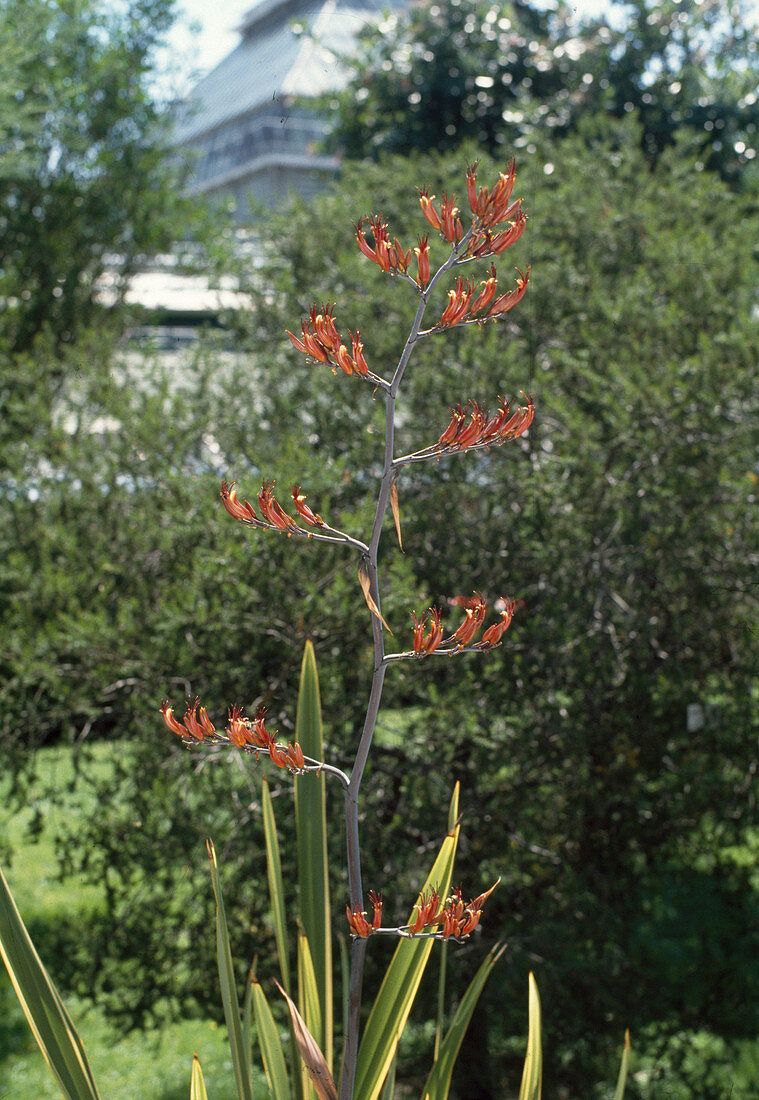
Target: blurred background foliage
[607,752]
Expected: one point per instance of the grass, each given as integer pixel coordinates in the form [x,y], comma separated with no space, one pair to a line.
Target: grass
[147,1065]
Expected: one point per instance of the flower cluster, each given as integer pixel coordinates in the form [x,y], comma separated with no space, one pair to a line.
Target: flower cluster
[475,610]
[474,304]
[454,919]
[244,733]
[390,255]
[272,512]
[474,427]
[321,341]
[489,209]
[359,925]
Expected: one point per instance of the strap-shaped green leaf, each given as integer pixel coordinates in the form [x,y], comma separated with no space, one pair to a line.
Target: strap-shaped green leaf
[51,1024]
[439,1081]
[388,1092]
[197,1084]
[311,827]
[270,1045]
[238,1045]
[532,1074]
[276,887]
[309,1004]
[624,1068]
[398,990]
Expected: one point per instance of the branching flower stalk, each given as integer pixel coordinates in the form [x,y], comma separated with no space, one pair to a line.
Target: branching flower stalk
[496,223]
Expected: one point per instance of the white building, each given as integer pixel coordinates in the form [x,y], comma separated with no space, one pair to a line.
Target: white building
[243,124]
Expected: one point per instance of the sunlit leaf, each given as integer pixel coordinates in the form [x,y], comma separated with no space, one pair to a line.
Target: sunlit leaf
[51,1024]
[532,1074]
[239,1047]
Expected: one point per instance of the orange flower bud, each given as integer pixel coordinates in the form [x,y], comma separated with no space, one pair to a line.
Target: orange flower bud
[429,210]
[475,613]
[494,633]
[168,716]
[376,900]
[242,512]
[501,241]
[519,422]
[238,727]
[295,759]
[271,510]
[471,433]
[303,509]
[359,925]
[422,253]
[277,756]
[299,344]
[507,301]
[451,432]
[344,360]
[194,727]
[502,193]
[435,636]
[452,228]
[359,363]
[419,628]
[458,303]
[365,247]
[486,295]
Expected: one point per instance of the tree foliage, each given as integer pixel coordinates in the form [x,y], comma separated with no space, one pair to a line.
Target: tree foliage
[501,74]
[87,190]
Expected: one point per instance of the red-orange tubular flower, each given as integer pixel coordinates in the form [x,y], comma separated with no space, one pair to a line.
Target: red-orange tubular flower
[244,512]
[425,913]
[195,724]
[299,499]
[387,254]
[475,615]
[359,925]
[491,209]
[458,303]
[459,919]
[424,643]
[376,900]
[422,253]
[494,633]
[271,509]
[505,302]
[429,211]
[324,343]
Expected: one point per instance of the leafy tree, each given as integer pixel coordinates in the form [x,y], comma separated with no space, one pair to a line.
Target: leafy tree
[499,74]
[87,188]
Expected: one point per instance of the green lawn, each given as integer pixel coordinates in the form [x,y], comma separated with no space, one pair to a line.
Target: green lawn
[152,1065]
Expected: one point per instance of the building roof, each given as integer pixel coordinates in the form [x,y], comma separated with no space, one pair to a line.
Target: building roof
[288,48]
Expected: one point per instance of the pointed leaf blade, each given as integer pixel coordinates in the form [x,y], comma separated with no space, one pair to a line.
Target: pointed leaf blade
[276,885]
[439,1081]
[238,1046]
[311,830]
[308,997]
[624,1068]
[532,1074]
[270,1045]
[197,1084]
[51,1024]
